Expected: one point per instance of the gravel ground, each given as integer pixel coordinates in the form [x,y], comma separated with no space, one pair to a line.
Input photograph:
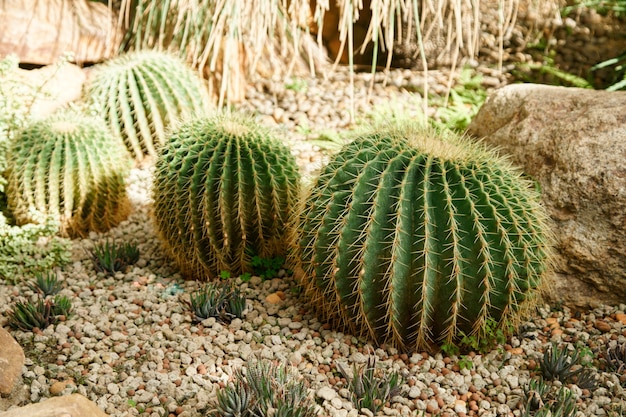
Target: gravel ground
[132,346]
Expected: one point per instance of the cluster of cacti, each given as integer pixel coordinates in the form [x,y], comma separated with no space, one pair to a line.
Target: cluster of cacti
[224,190]
[141,94]
[412,236]
[71,167]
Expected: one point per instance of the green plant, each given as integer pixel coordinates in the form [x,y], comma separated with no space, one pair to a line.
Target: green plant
[615,357]
[46,283]
[27,315]
[540,400]
[586,379]
[493,334]
[69,166]
[240,186]
[529,72]
[619,68]
[141,94]
[219,300]
[266,268]
[586,355]
[558,363]
[62,306]
[264,389]
[297,85]
[235,400]
[465,99]
[111,257]
[413,235]
[450,349]
[617,7]
[31,248]
[371,388]
[465,362]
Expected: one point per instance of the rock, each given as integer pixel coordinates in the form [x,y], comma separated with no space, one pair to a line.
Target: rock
[40,32]
[58,387]
[74,405]
[325,393]
[603,326]
[11,362]
[273,298]
[58,85]
[573,143]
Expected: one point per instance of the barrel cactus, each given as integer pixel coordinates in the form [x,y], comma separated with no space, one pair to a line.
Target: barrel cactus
[71,167]
[413,236]
[141,94]
[224,190]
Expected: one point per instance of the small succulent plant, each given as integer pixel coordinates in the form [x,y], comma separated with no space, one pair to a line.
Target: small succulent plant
[615,357]
[224,188]
[371,388]
[141,94]
[220,300]
[62,306]
[264,389]
[71,167]
[558,363]
[46,283]
[28,315]
[111,257]
[541,400]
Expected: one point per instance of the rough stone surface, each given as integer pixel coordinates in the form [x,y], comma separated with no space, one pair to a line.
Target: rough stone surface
[11,362]
[74,405]
[59,85]
[573,142]
[39,32]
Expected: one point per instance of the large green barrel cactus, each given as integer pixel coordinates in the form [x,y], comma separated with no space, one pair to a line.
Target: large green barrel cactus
[224,189]
[141,94]
[411,236]
[71,167]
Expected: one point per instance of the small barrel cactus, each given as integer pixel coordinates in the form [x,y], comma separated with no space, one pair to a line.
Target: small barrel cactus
[224,190]
[413,236]
[141,94]
[71,167]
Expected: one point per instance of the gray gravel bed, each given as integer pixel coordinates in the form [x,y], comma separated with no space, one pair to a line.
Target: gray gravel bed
[132,347]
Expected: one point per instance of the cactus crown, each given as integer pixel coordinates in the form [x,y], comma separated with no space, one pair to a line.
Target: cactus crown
[413,236]
[224,190]
[141,94]
[69,166]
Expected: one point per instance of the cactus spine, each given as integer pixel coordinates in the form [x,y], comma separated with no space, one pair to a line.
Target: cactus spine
[411,236]
[140,94]
[223,188]
[71,167]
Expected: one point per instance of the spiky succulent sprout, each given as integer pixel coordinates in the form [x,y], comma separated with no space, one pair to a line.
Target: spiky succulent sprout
[69,166]
[411,235]
[140,94]
[224,189]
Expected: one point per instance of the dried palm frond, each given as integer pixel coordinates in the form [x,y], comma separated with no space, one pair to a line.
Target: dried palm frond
[231,39]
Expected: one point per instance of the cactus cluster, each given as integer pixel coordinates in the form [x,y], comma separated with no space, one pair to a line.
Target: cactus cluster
[141,94]
[224,190]
[68,166]
[412,236]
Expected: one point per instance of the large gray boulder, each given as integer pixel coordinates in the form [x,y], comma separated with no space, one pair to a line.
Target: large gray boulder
[573,143]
